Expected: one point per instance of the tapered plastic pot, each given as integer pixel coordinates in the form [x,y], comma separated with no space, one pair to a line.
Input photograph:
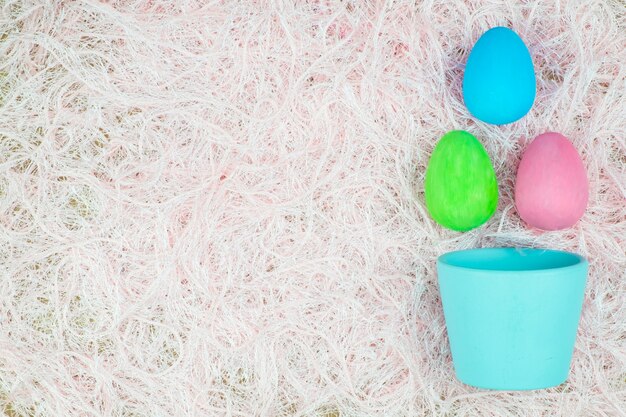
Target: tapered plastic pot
[512,315]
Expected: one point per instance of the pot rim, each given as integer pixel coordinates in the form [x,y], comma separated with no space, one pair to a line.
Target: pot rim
[575,261]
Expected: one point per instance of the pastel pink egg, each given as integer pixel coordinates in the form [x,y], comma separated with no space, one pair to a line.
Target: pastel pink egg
[551,191]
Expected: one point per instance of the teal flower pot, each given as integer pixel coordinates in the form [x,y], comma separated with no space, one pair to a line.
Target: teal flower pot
[512,315]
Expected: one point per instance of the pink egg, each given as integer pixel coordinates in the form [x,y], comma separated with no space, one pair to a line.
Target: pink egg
[551,190]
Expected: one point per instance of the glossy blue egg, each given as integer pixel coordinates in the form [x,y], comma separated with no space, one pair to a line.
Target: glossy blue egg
[499,81]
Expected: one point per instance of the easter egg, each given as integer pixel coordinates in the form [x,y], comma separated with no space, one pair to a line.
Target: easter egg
[551,190]
[499,78]
[461,190]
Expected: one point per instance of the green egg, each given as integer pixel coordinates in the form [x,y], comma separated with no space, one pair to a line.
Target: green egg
[461,187]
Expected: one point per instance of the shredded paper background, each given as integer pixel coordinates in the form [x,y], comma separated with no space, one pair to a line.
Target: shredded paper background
[216,208]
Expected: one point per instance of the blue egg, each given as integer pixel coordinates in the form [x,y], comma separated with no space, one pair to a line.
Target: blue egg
[499,81]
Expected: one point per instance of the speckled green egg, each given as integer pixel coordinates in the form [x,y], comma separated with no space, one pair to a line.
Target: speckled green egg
[461,187]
